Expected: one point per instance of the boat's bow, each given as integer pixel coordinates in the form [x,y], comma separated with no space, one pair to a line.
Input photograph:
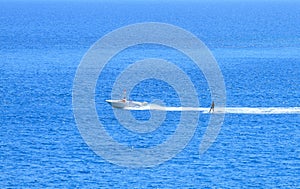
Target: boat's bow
[117,103]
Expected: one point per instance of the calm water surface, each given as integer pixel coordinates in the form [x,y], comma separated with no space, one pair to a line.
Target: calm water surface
[257,46]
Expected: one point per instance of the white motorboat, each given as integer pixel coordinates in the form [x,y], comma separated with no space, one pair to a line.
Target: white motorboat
[125,103]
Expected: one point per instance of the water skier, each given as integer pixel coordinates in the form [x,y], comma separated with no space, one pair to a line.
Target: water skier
[212,107]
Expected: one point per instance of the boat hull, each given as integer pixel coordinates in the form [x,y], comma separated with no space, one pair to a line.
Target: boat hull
[117,103]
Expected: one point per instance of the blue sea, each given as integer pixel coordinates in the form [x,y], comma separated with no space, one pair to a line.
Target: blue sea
[255,43]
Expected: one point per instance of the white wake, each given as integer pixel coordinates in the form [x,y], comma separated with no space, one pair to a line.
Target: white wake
[226,110]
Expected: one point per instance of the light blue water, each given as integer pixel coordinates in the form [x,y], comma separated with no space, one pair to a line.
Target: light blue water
[257,46]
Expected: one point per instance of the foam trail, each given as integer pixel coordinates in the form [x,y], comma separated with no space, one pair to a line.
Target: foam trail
[227,110]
